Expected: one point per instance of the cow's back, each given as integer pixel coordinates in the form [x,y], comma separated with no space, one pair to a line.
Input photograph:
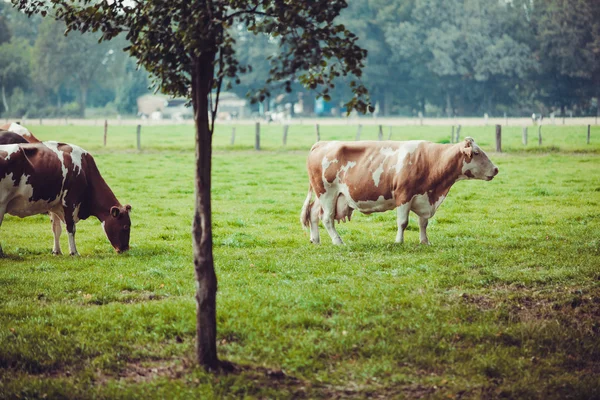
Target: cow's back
[31,179]
[7,137]
[366,171]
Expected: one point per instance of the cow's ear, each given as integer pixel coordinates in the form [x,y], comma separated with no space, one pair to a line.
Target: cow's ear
[467,149]
[127,207]
[114,211]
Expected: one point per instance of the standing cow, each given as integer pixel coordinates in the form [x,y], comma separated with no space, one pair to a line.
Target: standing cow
[380,176]
[63,180]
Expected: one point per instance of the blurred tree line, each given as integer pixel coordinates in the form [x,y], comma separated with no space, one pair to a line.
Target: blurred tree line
[45,74]
[435,57]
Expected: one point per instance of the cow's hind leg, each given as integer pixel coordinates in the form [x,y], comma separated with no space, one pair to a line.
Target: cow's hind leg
[329,206]
[402,220]
[56,231]
[2,211]
[423,230]
[315,213]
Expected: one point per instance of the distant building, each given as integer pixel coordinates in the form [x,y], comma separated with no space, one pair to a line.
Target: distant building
[157,106]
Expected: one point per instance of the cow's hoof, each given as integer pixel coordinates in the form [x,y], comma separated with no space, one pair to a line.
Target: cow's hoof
[315,241]
[57,253]
[75,254]
[426,243]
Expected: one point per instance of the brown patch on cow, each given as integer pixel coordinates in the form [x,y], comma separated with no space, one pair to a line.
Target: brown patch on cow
[7,137]
[469,174]
[432,168]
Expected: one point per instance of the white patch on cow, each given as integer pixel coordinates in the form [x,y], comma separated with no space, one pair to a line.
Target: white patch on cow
[72,247]
[21,130]
[346,167]
[6,186]
[9,149]
[404,150]
[75,211]
[17,198]
[377,174]
[386,152]
[421,205]
[77,155]
[61,157]
[379,205]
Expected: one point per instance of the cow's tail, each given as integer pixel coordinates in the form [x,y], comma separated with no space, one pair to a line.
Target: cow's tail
[306,207]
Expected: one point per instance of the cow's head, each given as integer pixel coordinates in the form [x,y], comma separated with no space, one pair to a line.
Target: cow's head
[476,164]
[117,227]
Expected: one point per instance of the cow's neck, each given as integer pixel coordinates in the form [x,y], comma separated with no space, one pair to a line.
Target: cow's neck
[101,198]
[446,168]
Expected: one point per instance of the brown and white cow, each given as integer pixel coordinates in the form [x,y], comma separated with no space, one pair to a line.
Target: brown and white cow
[379,176]
[63,180]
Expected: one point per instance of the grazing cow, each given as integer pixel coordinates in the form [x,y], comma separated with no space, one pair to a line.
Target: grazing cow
[21,131]
[380,176]
[62,180]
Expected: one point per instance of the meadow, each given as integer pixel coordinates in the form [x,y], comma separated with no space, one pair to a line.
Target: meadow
[505,303]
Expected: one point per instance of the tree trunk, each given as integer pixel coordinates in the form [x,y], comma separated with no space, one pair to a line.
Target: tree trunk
[387,102]
[449,111]
[4,102]
[83,90]
[206,279]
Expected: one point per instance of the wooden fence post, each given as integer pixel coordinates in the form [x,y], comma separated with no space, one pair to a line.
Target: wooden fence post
[588,135]
[232,135]
[317,132]
[390,135]
[139,137]
[498,138]
[358,132]
[285,132]
[524,136]
[257,137]
[105,131]
[452,135]
[421,117]
[380,134]
[458,133]
[539,135]
[40,121]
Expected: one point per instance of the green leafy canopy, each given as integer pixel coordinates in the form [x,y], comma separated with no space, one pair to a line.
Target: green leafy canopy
[167,36]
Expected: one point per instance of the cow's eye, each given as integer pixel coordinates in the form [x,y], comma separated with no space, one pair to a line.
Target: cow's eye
[475,153]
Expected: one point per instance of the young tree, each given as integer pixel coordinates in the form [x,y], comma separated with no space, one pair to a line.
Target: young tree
[188,46]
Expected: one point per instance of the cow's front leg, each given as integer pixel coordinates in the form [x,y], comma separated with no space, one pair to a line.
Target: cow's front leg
[56,231]
[402,220]
[70,223]
[423,230]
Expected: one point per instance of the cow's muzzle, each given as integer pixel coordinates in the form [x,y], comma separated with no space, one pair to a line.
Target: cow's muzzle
[490,177]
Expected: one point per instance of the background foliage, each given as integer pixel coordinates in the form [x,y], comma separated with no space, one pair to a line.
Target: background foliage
[436,57]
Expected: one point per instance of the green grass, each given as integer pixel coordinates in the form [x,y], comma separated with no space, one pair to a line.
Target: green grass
[504,304]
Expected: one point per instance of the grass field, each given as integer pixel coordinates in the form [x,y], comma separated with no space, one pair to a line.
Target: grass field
[504,304]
